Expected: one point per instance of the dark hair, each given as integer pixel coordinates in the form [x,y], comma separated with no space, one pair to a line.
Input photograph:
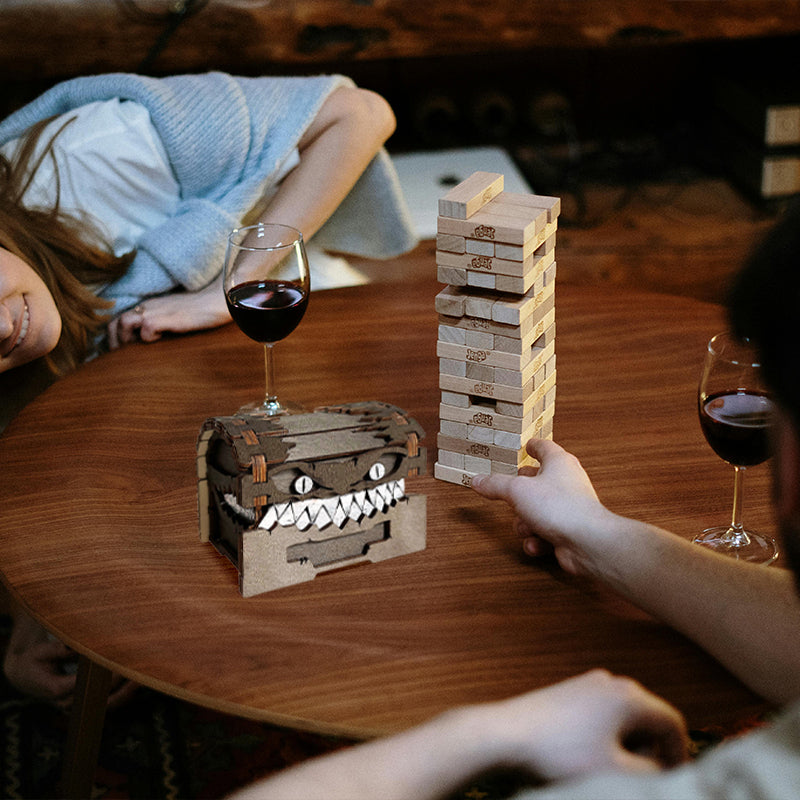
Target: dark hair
[66,253]
[764,306]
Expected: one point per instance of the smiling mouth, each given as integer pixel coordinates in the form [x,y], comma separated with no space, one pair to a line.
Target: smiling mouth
[23,328]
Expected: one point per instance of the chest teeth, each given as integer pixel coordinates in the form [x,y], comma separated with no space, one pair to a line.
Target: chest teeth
[323,512]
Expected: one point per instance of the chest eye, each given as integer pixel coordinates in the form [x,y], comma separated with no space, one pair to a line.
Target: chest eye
[302,484]
[377,471]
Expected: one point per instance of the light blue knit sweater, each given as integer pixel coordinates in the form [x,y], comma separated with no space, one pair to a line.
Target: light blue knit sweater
[226,137]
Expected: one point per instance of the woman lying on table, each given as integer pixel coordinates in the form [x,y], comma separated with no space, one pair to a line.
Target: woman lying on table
[117,193]
[598,736]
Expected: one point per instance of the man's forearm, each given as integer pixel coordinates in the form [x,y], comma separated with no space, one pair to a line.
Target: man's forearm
[746,616]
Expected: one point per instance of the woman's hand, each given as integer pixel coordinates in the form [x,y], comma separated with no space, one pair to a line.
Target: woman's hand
[180,312]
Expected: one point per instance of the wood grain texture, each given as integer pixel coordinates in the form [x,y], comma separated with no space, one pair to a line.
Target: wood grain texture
[53,38]
[99,531]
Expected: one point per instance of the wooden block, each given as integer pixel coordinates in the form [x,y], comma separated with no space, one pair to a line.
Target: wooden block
[451,366]
[516,226]
[502,455]
[452,335]
[519,252]
[450,302]
[450,475]
[455,399]
[452,276]
[480,280]
[535,306]
[526,395]
[476,247]
[480,340]
[484,416]
[552,205]
[477,433]
[521,332]
[497,266]
[462,201]
[533,357]
[477,465]
[450,244]
[535,280]
[456,429]
[477,305]
[519,346]
[450,459]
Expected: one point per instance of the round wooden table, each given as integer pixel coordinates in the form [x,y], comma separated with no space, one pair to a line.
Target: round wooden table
[99,530]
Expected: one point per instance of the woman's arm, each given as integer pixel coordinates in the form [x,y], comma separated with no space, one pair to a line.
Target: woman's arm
[746,616]
[588,724]
[351,127]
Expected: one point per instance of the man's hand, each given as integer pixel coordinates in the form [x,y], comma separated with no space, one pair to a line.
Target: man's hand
[586,725]
[557,507]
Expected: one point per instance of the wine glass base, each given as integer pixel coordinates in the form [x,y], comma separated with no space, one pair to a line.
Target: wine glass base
[757,549]
[270,409]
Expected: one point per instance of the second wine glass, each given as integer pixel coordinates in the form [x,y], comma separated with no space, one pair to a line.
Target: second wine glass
[736,413]
[266,283]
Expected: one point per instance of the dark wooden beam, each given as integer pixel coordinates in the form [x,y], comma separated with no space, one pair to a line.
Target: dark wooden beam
[45,39]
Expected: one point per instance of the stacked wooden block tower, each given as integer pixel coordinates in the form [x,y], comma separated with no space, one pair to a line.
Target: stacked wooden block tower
[496,347]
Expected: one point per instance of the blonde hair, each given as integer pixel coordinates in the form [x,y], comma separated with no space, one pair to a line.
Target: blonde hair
[66,253]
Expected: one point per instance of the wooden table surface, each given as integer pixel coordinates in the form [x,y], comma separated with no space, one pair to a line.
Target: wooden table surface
[99,533]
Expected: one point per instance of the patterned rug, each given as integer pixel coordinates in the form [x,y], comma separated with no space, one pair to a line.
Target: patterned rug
[158,747]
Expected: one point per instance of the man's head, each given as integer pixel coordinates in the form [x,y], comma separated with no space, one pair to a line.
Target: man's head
[764,306]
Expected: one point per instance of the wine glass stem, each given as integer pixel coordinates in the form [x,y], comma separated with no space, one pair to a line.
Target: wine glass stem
[270,398]
[736,534]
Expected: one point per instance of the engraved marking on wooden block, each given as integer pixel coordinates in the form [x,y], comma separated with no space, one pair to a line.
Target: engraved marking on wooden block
[450,244]
[497,266]
[534,355]
[494,453]
[484,417]
[462,201]
[516,226]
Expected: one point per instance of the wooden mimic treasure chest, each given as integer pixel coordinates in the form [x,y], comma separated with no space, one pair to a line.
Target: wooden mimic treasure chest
[288,497]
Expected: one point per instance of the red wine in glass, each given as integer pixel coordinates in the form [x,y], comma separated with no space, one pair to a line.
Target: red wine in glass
[266,283]
[736,413]
[736,425]
[267,311]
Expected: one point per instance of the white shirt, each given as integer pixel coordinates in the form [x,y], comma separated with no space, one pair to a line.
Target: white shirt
[112,168]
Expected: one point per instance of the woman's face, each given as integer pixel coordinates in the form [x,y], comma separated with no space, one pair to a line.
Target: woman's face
[30,324]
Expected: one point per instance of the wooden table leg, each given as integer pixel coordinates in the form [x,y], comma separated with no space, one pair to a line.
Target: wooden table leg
[85,729]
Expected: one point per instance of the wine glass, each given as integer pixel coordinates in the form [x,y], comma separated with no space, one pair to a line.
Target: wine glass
[266,283]
[736,412]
